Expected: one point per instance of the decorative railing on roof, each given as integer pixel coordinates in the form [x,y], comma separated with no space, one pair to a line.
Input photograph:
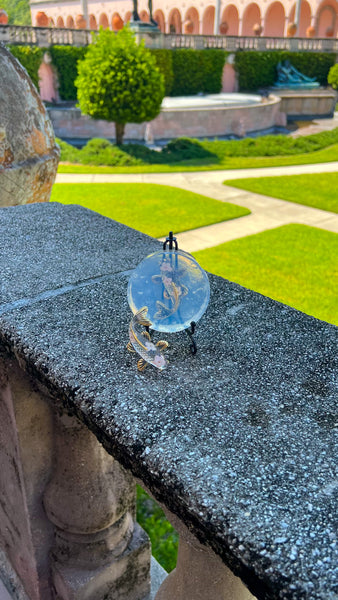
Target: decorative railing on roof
[48,36]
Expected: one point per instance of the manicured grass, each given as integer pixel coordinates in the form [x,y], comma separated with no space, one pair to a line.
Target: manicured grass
[319,190]
[329,154]
[163,537]
[150,208]
[294,264]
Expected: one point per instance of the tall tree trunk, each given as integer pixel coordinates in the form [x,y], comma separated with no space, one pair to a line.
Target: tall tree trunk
[119,132]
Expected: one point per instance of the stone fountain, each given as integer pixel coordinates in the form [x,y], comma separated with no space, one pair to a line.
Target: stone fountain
[28,152]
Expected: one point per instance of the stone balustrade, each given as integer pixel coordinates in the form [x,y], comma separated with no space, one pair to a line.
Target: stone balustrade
[238,442]
[47,36]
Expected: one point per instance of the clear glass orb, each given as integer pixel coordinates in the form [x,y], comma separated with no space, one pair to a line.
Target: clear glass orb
[174,288]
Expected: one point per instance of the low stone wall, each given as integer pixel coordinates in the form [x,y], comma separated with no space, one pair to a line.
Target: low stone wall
[171,123]
[307,104]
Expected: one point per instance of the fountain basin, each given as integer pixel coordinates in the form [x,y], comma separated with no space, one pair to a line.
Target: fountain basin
[214,115]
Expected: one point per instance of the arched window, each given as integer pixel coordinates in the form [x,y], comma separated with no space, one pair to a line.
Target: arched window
[70,22]
[230,17]
[208,20]
[60,23]
[274,21]
[103,21]
[175,21]
[159,18]
[192,21]
[92,22]
[251,17]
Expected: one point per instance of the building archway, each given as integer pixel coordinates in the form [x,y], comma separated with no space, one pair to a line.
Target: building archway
[175,21]
[144,16]
[304,18]
[192,21]
[326,19]
[70,22]
[159,18]
[127,16]
[92,22]
[274,22]
[103,21]
[116,22]
[51,22]
[60,23]
[208,21]
[230,16]
[251,17]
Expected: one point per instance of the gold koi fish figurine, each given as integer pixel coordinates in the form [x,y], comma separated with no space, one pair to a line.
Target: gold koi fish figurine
[141,343]
[172,291]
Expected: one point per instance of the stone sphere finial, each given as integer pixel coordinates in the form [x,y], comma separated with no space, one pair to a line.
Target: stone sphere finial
[28,152]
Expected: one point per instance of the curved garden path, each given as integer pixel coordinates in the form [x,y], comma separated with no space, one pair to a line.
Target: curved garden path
[266,212]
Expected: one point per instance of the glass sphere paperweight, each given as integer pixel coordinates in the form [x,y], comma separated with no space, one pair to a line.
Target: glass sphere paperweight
[173,287]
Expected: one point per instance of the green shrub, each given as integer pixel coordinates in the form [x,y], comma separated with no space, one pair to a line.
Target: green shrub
[332,78]
[212,65]
[258,69]
[65,59]
[119,81]
[164,62]
[185,149]
[187,72]
[30,57]
[97,152]
[197,71]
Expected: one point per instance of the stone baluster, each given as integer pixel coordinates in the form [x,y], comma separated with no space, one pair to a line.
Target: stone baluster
[200,574]
[99,551]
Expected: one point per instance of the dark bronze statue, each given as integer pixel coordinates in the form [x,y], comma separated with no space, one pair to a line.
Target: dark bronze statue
[136,15]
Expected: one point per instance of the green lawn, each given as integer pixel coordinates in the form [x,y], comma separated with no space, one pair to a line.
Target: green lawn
[231,162]
[150,208]
[319,190]
[294,264]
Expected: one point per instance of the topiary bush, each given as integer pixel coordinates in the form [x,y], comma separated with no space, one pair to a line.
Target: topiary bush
[332,77]
[65,59]
[119,81]
[30,57]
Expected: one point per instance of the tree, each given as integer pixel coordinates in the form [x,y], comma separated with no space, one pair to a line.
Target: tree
[18,11]
[332,78]
[118,80]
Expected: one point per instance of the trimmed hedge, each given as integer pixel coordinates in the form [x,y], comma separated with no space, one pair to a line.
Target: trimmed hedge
[65,59]
[259,69]
[164,62]
[30,57]
[197,71]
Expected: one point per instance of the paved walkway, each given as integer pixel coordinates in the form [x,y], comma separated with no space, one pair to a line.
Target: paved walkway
[266,212]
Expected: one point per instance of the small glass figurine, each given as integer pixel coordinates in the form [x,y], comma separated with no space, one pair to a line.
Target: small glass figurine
[168,291]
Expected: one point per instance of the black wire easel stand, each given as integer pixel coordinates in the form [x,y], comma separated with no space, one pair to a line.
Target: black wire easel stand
[171,241]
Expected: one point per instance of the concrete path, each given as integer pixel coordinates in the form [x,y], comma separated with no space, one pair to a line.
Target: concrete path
[266,212]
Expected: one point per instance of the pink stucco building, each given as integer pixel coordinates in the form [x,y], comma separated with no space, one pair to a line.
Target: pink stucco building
[317,18]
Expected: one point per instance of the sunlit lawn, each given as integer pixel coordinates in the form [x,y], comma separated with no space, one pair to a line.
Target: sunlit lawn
[318,190]
[294,264]
[150,208]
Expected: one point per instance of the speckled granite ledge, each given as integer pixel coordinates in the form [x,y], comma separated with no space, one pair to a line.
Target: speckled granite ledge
[239,441]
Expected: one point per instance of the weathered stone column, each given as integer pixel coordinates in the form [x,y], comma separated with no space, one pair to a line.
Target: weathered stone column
[99,552]
[200,574]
